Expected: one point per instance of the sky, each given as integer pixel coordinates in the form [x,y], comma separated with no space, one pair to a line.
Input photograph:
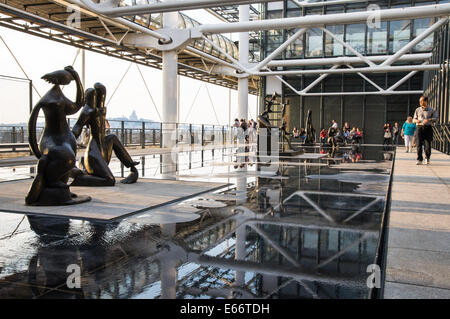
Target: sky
[40,56]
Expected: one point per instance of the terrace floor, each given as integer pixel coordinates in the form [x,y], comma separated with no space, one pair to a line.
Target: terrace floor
[418,257]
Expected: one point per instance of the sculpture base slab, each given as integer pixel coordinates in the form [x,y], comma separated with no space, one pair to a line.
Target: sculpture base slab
[59,197]
[108,203]
[290,153]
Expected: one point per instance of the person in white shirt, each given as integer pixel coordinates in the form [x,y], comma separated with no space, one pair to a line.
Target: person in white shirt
[424,117]
[334,124]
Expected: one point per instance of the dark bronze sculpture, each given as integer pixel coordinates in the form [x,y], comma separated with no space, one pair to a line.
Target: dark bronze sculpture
[286,136]
[94,165]
[310,131]
[57,147]
[263,119]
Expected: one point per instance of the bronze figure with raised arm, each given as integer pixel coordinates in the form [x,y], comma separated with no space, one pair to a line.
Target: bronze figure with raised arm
[94,165]
[263,119]
[57,147]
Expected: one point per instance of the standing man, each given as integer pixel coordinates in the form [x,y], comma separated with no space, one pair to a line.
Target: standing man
[424,117]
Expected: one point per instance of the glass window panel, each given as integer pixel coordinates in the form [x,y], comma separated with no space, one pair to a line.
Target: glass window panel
[355,36]
[353,106]
[420,25]
[377,39]
[275,5]
[314,41]
[399,34]
[274,37]
[294,50]
[332,47]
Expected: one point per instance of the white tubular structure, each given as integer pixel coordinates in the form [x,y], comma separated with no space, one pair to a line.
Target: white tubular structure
[374,64]
[347,60]
[87,4]
[244,15]
[430,11]
[170,85]
[110,7]
[306,3]
[414,42]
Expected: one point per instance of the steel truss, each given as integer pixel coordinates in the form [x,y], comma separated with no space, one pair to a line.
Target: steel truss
[304,23]
[106,32]
[102,35]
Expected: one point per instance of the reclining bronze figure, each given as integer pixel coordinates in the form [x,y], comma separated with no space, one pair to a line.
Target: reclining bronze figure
[94,170]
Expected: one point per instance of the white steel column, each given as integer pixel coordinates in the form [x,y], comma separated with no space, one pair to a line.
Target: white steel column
[170,86]
[244,15]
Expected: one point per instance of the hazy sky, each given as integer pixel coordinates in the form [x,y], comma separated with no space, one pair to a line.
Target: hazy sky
[39,56]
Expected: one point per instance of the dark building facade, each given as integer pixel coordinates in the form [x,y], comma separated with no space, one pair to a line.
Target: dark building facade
[328,99]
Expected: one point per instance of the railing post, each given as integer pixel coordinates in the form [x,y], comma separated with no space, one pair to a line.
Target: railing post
[131,137]
[176,133]
[161,135]
[143,135]
[122,132]
[13,137]
[191,137]
[203,134]
[223,135]
[22,135]
[154,137]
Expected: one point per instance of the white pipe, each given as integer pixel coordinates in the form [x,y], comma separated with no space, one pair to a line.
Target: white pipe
[279,50]
[306,3]
[401,81]
[346,60]
[170,84]
[244,15]
[414,42]
[349,47]
[318,80]
[385,92]
[211,57]
[87,4]
[376,69]
[428,11]
[166,6]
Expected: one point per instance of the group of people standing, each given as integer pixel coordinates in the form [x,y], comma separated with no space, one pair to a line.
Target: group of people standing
[416,131]
[249,128]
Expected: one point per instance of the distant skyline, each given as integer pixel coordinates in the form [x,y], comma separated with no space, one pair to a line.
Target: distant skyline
[40,56]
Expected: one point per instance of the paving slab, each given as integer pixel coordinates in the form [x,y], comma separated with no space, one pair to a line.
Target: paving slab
[418,257]
[419,267]
[405,291]
[108,203]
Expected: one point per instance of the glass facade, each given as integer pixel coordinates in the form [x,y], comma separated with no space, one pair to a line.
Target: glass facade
[383,38]
[369,112]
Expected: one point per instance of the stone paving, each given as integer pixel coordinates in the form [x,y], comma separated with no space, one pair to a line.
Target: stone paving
[418,257]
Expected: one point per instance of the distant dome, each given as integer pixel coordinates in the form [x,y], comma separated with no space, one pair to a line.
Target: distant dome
[133,116]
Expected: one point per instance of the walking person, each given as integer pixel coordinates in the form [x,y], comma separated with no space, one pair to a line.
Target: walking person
[395,133]
[424,117]
[408,130]
[387,134]
[250,131]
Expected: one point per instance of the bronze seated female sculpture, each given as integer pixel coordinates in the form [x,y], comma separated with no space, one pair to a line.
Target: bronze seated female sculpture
[57,147]
[94,165]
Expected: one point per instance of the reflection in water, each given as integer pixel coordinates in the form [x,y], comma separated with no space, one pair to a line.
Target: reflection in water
[310,234]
